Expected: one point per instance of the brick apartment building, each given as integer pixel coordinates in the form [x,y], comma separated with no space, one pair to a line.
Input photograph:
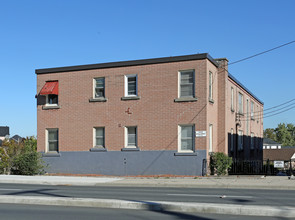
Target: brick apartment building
[145,117]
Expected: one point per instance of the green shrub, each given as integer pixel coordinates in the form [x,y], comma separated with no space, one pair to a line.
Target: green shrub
[22,158]
[220,163]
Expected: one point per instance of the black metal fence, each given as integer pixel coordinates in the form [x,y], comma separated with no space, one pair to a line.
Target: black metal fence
[259,167]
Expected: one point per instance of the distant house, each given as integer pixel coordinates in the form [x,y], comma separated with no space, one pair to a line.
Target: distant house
[270,144]
[4,132]
[16,138]
[275,151]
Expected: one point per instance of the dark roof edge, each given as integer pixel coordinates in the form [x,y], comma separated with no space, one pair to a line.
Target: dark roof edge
[128,63]
[244,87]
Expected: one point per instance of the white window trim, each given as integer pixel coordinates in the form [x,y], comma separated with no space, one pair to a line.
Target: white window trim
[126,137]
[252,109]
[210,85]
[47,141]
[47,101]
[241,140]
[210,138]
[232,139]
[252,138]
[179,82]
[241,108]
[232,99]
[94,87]
[94,138]
[126,85]
[179,138]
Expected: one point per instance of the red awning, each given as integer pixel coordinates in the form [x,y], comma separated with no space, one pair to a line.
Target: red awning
[50,88]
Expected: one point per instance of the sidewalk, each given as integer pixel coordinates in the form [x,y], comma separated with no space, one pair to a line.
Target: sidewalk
[248,182]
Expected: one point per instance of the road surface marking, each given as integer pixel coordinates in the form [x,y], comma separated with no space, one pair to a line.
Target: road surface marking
[201,195]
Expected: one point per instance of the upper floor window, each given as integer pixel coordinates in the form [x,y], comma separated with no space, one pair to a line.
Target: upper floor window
[131,85]
[50,90]
[252,110]
[99,88]
[187,83]
[241,103]
[210,86]
[52,99]
[232,99]
[186,138]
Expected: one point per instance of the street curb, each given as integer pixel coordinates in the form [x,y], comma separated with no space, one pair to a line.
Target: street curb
[212,208]
[41,180]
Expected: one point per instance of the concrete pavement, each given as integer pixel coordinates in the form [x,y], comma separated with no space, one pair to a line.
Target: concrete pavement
[202,182]
[248,182]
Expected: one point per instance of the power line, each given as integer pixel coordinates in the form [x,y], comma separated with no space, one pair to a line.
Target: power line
[267,114]
[265,111]
[266,51]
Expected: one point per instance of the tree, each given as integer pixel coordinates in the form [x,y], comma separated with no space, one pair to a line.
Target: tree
[283,133]
[270,133]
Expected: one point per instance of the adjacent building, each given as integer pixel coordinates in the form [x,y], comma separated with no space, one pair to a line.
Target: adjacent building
[145,117]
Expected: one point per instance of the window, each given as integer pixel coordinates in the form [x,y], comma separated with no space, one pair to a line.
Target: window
[252,110]
[52,140]
[252,141]
[131,85]
[232,99]
[210,138]
[232,139]
[99,88]
[240,140]
[131,137]
[240,103]
[52,99]
[210,86]
[50,90]
[99,137]
[187,83]
[186,138]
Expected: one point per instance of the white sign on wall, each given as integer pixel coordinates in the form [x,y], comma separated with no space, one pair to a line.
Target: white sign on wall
[200,133]
[278,164]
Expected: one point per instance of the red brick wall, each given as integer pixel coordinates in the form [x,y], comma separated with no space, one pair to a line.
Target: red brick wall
[156,115]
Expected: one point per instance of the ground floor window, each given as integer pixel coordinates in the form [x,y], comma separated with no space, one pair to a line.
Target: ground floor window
[99,137]
[52,140]
[186,138]
[131,137]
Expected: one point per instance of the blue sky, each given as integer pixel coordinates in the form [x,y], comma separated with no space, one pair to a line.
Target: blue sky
[53,33]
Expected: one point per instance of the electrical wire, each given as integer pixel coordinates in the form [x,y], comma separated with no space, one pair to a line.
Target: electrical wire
[266,51]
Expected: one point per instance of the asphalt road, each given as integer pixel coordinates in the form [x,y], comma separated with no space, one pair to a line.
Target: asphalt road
[26,212]
[225,196]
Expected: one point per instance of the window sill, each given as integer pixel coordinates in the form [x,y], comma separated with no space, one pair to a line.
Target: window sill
[186,99]
[98,149]
[239,113]
[98,99]
[126,98]
[130,149]
[185,154]
[51,154]
[211,101]
[48,107]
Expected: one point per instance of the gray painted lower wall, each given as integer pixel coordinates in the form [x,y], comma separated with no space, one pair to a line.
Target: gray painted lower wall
[122,163]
